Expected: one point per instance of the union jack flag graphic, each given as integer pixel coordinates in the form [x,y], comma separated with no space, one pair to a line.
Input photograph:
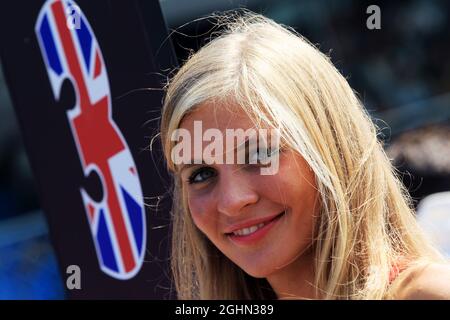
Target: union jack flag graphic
[117,221]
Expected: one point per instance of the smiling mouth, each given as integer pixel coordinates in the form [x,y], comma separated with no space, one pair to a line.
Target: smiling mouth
[252,229]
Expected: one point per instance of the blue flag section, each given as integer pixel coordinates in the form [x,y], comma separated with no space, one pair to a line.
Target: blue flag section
[78,73]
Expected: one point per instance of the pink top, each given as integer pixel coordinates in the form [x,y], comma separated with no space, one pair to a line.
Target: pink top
[397,268]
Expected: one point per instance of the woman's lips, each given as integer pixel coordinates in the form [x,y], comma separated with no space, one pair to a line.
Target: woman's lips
[247,237]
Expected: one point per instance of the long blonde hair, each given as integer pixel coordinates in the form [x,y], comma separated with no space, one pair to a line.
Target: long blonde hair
[366,223]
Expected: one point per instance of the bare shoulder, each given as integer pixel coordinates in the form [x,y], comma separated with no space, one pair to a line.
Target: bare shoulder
[425,282]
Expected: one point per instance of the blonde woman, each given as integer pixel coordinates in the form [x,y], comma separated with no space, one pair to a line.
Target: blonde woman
[331,222]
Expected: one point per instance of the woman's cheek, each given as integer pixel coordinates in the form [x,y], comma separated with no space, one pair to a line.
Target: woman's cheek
[199,212]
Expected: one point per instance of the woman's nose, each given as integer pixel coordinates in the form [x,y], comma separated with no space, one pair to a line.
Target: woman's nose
[236,191]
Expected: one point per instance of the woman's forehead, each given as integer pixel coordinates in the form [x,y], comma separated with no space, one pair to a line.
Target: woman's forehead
[219,116]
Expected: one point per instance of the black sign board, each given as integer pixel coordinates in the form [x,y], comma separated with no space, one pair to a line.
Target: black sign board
[78,74]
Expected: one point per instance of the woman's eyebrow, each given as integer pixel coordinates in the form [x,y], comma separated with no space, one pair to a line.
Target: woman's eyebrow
[245,146]
[190,164]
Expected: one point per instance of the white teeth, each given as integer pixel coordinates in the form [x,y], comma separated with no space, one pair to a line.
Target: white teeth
[249,230]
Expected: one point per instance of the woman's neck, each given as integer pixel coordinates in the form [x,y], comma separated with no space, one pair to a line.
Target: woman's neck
[295,280]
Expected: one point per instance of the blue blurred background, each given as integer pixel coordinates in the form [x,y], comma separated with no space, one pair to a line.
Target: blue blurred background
[401,72]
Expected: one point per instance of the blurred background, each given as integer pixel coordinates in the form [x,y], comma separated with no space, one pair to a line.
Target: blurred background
[401,73]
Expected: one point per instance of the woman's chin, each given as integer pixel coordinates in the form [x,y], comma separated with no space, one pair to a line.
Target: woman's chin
[257,272]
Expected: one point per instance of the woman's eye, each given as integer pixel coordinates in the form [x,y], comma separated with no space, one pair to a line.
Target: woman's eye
[262,156]
[201,175]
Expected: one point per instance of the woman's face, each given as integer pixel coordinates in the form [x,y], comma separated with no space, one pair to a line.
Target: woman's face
[261,222]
